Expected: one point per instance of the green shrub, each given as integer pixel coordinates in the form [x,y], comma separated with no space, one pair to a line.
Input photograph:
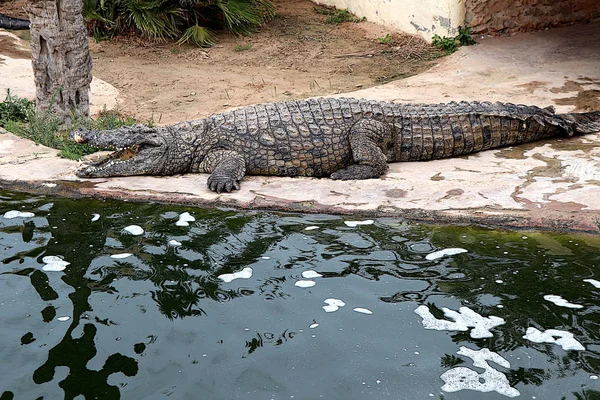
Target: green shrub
[387,39]
[43,127]
[451,44]
[14,108]
[189,21]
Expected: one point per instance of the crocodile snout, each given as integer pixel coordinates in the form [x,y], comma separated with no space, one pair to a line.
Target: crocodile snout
[76,137]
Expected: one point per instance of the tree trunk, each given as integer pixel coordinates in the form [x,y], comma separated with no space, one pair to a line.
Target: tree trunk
[62,64]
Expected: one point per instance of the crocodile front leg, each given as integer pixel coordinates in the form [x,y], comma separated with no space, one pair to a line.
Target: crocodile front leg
[227,168]
[367,139]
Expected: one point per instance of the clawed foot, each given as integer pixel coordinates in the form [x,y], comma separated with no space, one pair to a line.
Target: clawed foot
[220,183]
[355,171]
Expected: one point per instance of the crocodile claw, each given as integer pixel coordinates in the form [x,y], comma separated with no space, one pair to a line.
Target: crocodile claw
[222,184]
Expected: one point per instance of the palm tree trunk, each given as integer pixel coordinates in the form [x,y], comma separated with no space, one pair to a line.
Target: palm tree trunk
[62,64]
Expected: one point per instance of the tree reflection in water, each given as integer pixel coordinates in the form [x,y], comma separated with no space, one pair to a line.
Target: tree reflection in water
[183,281]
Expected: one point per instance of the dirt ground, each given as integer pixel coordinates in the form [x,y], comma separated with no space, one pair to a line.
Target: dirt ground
[296,55]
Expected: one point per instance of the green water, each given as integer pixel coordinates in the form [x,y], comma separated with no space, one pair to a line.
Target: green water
[161,323]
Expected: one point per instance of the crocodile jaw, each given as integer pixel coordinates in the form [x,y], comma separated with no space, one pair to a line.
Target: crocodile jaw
[136,153]
[123,163]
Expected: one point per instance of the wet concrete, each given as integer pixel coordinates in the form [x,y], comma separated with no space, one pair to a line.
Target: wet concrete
[552,185]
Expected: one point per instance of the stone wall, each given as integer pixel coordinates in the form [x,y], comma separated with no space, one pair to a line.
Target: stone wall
[509,16]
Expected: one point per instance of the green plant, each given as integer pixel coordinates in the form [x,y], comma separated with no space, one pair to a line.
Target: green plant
[14,108]
[109,119]
[451,44]
[387,39]
[464,36]
[242,47]
[43,127]
[335,16]
[197,35]
[189,21]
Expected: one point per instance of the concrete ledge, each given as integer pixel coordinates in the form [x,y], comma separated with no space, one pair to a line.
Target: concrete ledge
[544,186]
[553,185]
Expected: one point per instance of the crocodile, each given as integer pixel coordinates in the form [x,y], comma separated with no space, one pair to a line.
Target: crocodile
[340,138]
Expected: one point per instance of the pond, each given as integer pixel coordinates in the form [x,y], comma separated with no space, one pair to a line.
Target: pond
[108,300]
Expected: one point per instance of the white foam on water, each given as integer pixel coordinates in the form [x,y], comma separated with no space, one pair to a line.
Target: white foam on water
[311,228]
[313,326]
[121,255]
[305,284]
[63,319]
[463,319]
[445,252]
[353,224]
[95,217]
[363,310]
[593,282]
[54,264]
[18,214]
[559,301]
[491,380]
[310,274]
[134,230]
[562,338]
[333,304]
[246,273]
[185,219]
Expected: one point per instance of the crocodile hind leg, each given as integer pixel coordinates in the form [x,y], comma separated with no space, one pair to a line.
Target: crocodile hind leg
[227,169]
[367,139]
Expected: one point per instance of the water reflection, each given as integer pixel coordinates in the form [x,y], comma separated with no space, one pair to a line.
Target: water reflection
[164,320]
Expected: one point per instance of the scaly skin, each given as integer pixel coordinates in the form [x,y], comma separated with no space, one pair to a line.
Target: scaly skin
[340,138]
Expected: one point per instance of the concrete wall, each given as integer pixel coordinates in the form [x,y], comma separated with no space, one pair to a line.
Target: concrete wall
[429,17]
[509,16]
[423,17]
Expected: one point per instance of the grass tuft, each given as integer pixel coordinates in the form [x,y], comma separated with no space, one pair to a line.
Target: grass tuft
[336,16]
[242,47]
[19,116]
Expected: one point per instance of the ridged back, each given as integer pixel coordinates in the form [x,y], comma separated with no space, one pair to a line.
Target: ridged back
[317,129]
[444,130]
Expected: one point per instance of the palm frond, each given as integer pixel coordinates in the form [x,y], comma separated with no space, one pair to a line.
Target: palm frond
[153,20]
[242,16]
[161,19]
[197,35]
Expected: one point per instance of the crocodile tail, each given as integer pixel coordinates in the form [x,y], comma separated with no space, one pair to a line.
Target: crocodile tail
[582,123]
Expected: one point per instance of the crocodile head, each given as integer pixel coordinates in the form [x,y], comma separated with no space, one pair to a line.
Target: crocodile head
[139,150]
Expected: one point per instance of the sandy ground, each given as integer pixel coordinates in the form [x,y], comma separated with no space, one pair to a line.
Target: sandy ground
[16,74]
[296,55]
[547,185]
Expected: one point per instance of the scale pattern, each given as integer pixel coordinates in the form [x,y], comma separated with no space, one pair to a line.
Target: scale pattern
[311,138]
[341,138]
